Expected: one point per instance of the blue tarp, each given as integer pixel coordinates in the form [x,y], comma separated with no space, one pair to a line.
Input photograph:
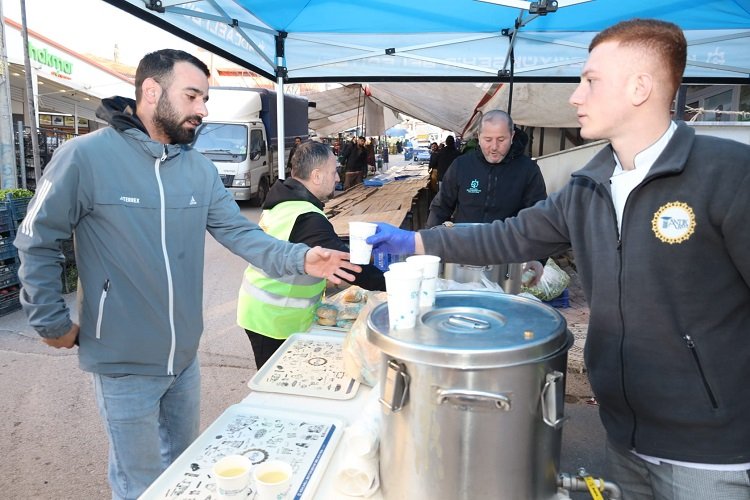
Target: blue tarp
[441,40]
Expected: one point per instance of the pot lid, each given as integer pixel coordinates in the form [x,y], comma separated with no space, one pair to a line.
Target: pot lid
[474,329]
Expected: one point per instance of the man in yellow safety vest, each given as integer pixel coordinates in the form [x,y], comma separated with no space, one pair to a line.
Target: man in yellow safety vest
[271,309]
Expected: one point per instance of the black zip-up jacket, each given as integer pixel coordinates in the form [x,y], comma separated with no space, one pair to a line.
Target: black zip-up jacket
[314,229]
[474,190]
[668,345]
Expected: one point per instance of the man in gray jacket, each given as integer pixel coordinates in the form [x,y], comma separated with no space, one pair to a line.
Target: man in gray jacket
[659,225]
[139,202]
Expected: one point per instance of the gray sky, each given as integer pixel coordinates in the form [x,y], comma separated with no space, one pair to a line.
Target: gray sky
[93,27]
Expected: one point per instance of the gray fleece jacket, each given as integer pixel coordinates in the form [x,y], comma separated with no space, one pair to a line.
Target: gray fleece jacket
[139,211]
[668,346]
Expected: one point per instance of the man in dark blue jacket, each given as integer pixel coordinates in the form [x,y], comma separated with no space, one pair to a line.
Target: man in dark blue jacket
[491,183]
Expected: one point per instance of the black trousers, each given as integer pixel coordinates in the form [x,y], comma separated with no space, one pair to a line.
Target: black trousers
[263,347]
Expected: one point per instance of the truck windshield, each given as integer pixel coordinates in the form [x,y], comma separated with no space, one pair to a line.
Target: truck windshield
[222,141]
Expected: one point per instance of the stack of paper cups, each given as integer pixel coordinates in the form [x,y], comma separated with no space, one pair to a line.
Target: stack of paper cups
[402,285]
[430,265]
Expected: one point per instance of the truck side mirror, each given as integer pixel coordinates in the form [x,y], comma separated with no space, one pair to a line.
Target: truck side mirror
[254,155]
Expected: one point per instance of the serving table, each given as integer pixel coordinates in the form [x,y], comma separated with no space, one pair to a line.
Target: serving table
[295,399]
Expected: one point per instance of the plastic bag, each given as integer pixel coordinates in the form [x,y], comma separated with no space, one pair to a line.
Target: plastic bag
[554,281]
[361,358]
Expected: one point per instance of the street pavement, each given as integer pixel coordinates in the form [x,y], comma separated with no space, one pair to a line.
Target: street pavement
[52,441]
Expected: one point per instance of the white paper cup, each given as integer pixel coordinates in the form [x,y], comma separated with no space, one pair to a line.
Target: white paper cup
[430,270]
[272,479]
[359,250]
[402,289]
[232,475]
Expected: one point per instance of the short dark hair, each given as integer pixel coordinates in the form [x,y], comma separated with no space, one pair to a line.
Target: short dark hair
[665,40]
[159,66]
[450,141]
[309,156]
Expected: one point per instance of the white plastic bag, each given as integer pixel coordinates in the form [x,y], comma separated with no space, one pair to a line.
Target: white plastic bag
[554,281]
[361,358]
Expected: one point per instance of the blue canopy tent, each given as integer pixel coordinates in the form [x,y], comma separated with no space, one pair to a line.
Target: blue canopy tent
[295,41]
[441,40]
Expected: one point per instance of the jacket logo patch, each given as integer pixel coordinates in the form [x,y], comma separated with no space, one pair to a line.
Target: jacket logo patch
[474,187]
[674,222]
[130,199]
[192,201]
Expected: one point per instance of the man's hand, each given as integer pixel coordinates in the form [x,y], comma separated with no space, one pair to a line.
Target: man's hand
[330,264]
[390,239]
[533,266]
[66,341]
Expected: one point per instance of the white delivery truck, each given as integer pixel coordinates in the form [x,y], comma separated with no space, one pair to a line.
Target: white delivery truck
[239,136]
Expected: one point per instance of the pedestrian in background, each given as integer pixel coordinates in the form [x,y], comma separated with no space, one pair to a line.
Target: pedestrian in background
[666,352]
[297,142]
[445,158]
[270,309]
[139,202]
[356,164]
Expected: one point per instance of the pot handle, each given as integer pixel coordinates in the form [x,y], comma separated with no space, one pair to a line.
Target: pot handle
[396,387]
[552,400]
[466,399]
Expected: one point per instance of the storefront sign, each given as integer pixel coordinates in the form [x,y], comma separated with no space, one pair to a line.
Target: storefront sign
[60,66]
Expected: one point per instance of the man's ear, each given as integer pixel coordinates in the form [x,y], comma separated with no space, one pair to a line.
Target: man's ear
[642,86]
[315,176]
[151,90]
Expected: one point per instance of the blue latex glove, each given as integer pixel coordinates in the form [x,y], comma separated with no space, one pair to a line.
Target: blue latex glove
[390,239]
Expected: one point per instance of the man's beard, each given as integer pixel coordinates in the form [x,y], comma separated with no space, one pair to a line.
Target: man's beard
[166,118]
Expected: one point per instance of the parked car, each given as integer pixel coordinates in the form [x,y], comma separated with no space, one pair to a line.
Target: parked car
[421,155]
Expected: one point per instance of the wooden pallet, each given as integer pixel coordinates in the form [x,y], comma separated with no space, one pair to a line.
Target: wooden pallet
[388,203]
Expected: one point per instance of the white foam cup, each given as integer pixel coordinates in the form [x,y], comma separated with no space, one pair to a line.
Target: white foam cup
[272,479]
[359,250]
[402,290]
[430,270]
[232,475]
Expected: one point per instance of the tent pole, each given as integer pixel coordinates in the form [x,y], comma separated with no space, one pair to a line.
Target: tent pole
[280,129]
[510,81]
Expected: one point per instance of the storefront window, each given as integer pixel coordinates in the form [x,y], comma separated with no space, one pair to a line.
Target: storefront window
[714,106]
[744,103]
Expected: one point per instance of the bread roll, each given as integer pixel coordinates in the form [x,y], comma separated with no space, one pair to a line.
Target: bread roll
[353,295]
[326,312]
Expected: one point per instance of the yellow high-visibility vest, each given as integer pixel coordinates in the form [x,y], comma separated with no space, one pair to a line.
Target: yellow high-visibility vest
[278,307]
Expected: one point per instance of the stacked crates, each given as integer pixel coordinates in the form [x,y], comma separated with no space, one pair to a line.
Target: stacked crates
[12,211]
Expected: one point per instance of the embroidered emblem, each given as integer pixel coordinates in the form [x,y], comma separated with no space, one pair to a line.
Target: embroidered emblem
[130,199]
[474,187]
[674,222]
[192,201]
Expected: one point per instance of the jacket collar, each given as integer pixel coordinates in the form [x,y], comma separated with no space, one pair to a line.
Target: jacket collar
[120,113]
[671,161]
[290,190]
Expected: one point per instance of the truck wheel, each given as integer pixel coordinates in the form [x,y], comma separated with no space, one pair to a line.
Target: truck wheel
[262,192]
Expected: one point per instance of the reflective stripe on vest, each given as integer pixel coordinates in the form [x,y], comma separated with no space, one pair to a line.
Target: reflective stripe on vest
[279,306]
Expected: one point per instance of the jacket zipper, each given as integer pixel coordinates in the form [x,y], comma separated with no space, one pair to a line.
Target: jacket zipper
[690,343]
[620,308]
[100,313]
[170,290]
